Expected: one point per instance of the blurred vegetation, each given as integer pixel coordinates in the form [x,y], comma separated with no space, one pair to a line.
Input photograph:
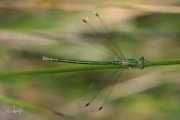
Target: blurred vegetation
[32,29]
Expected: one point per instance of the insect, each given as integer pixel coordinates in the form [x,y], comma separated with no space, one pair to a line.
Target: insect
[95,32]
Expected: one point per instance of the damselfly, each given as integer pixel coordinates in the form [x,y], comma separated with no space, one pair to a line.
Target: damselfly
[95,32]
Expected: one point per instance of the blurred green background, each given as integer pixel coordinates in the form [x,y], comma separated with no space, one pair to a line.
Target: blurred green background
[30,29]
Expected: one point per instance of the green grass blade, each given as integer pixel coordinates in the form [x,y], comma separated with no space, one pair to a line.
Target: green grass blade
[56,70]
[159,63]
[87,68]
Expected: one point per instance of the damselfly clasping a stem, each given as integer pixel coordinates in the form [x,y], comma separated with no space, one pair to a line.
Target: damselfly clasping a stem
[95,32]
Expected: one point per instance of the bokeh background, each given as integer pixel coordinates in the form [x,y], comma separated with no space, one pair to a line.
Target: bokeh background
[30,29]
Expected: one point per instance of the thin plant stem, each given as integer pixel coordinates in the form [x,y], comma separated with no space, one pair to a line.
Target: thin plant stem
[87,68]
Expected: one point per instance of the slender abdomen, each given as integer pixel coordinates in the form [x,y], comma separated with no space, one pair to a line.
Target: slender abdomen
[45,58]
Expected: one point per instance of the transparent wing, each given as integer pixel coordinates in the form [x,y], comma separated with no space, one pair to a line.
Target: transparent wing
[97,34]
[99,91]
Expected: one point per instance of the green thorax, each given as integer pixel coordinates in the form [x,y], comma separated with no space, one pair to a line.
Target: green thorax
[132,63]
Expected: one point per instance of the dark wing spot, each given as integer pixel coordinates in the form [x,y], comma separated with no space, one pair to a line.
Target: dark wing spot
[100,108]
[87,104]
[96,14]
[84,20]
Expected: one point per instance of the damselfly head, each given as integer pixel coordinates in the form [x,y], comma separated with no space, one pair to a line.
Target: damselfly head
[141,63]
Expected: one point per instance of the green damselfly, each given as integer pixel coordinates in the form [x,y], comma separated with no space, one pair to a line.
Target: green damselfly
[95,32]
